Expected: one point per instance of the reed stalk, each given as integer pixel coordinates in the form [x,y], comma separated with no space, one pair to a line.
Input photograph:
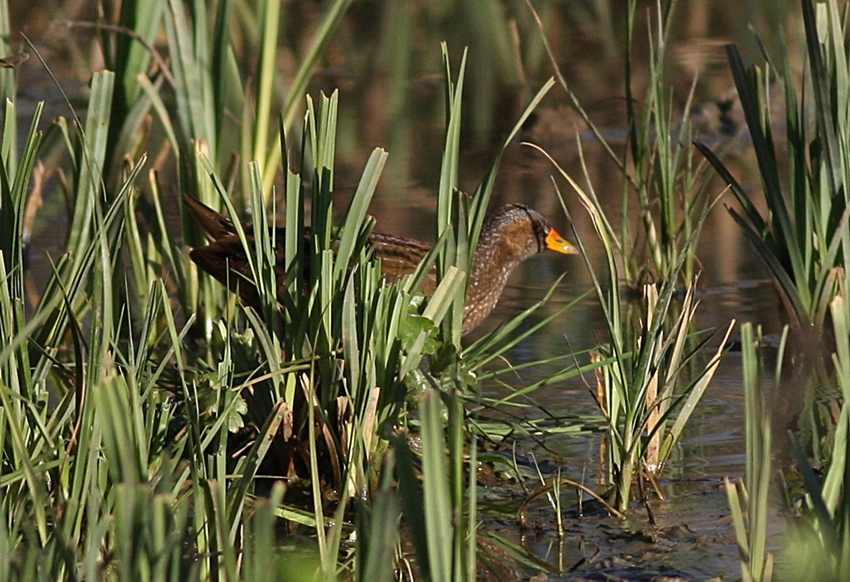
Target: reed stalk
[749,499]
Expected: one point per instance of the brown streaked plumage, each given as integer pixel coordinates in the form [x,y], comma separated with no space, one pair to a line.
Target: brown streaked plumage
[510,234]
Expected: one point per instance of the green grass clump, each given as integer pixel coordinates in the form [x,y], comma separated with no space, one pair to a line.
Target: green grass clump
[152,427]
[648,381]
[818,541]
[803,237]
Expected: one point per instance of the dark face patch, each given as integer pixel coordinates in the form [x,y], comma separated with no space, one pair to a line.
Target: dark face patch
[538,226]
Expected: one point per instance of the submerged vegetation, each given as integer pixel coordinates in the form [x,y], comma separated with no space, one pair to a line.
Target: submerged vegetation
[156,427]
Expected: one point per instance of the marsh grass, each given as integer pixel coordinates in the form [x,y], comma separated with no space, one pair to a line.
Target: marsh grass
[648,378]
[803,237]
[156,429]
[749,500]
[818,543]
[662,181]
[802,240]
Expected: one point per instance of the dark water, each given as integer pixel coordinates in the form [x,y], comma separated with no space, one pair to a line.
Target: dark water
[692,535]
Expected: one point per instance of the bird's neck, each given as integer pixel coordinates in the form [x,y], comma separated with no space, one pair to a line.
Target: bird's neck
[489,273]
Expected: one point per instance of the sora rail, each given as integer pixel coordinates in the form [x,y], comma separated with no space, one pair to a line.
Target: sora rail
[510,234]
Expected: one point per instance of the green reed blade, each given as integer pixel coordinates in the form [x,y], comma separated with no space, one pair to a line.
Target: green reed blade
[435,487]
[357,211]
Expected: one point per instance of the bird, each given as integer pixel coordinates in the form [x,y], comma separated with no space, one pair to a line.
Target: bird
[509,235]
